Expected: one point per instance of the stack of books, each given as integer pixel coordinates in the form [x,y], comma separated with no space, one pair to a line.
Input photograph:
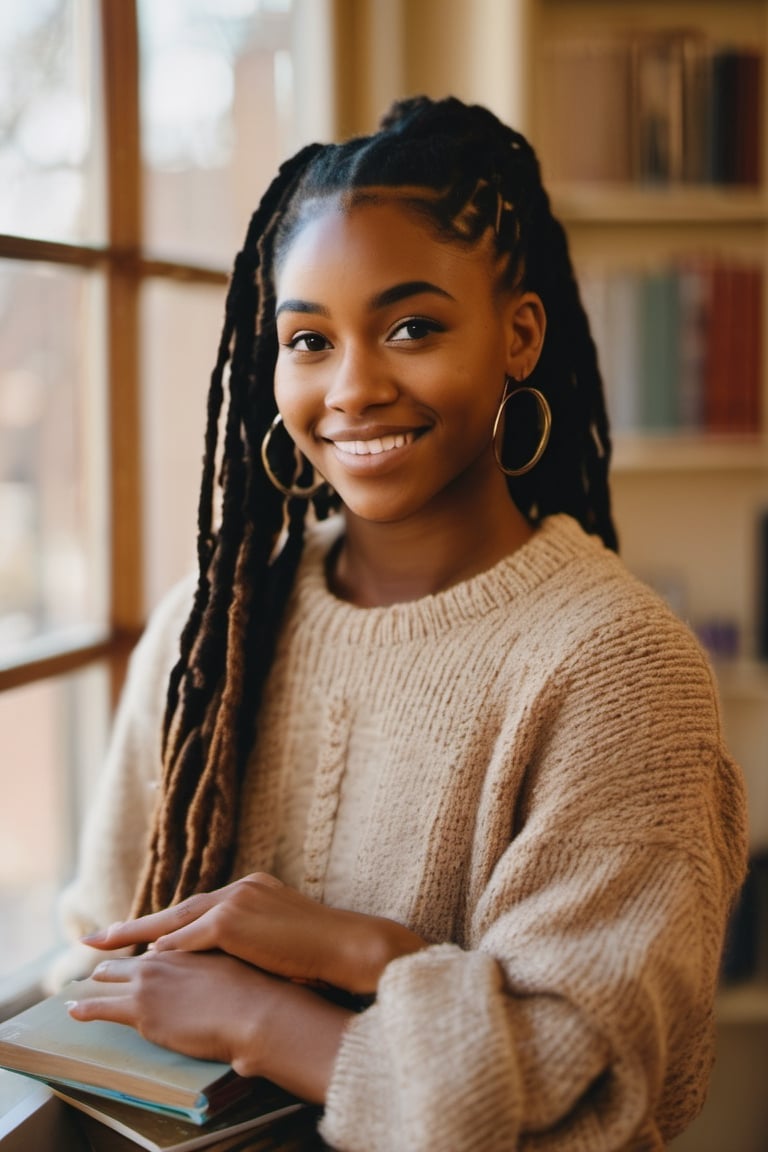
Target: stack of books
[128,1093]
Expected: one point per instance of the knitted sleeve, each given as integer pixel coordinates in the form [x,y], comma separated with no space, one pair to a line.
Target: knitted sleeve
[114,840]
[578,1016]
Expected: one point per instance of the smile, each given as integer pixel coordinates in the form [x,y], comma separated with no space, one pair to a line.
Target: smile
[375,446]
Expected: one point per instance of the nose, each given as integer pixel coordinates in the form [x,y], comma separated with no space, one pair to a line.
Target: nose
[361,380]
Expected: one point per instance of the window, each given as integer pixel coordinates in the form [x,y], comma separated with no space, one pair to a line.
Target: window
[135,139]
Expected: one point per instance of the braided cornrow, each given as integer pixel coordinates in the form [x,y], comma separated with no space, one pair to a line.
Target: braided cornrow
[465,172]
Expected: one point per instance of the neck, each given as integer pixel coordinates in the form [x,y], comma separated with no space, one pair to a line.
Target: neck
[388,563]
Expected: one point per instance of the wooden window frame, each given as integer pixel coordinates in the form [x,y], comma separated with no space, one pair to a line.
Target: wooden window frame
[126,268]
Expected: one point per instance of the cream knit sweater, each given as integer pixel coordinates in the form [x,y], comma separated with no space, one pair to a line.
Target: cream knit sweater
[527,769]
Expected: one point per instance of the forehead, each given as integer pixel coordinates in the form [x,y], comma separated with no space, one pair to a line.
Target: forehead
[381,237]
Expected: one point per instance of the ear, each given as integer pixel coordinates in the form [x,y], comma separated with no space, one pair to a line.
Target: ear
[526,325]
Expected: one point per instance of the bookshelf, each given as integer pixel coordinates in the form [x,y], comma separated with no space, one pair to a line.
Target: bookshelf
[625,223]
[687,498]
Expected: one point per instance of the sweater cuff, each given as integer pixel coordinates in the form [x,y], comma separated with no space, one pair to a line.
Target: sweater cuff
[430,1065]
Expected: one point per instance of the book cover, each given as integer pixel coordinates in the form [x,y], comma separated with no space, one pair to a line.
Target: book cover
[45,1042]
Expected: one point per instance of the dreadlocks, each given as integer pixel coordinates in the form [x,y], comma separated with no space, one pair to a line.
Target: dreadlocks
[465,172]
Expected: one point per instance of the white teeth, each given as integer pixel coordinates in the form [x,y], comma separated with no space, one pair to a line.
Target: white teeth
[375,446]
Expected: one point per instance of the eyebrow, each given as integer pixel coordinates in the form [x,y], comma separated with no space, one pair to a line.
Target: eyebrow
[301,306]
[382,299]
[403,291]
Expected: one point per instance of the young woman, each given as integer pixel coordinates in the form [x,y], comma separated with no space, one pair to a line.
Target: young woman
[446,834]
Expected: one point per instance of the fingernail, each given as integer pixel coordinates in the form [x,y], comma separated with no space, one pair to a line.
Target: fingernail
[103,933]
[101,967]
[70,1004]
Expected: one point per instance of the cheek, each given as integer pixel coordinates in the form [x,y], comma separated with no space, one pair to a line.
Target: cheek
[296,406]
[287,393]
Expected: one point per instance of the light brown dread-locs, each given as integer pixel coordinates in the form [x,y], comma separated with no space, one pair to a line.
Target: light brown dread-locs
[476,174]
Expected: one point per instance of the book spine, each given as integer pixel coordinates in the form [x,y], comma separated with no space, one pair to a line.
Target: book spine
[694,324]
[697,112]
[719,364]
[747,350]
[624,328]
[747,122]
[659,373]
[586,139]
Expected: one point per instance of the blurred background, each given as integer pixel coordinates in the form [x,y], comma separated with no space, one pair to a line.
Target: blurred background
[136,137]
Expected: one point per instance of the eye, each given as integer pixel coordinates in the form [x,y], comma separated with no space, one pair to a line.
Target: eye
[414,328]
[307,342]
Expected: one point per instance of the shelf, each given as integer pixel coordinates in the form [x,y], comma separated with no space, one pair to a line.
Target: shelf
[743,680]
[688,452]
[743,1004]
[675,205]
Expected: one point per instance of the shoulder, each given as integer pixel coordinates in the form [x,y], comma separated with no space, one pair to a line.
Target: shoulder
[596,609]
[608,665]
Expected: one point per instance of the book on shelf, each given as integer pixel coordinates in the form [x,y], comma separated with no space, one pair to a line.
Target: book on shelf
[658,317]
[656,78]
[662,107]
[679,347]
[731,386]
[114,1062]
[610,302]
[735,103]
[586,91]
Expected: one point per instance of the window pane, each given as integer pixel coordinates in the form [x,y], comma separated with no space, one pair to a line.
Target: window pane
[181,327]
[216,119]
[53,515]
[54,738]
[51,157]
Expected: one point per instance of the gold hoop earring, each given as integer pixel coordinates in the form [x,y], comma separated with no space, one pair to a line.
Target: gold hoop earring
[546,422]
[294,489]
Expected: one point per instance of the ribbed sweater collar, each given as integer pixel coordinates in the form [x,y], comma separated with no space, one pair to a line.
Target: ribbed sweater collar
[558,541]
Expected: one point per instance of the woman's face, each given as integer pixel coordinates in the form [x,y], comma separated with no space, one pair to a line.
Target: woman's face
[393,350]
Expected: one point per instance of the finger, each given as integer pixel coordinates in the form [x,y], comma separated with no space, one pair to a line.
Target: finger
[265,879]
[199,936]
[148,928]
[118,1009]
[114,971]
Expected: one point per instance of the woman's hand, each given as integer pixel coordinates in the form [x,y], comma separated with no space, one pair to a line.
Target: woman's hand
[267,924]
[213,1007]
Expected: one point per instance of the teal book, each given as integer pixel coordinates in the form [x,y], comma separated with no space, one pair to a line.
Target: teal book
[114,1061]
[660,333]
